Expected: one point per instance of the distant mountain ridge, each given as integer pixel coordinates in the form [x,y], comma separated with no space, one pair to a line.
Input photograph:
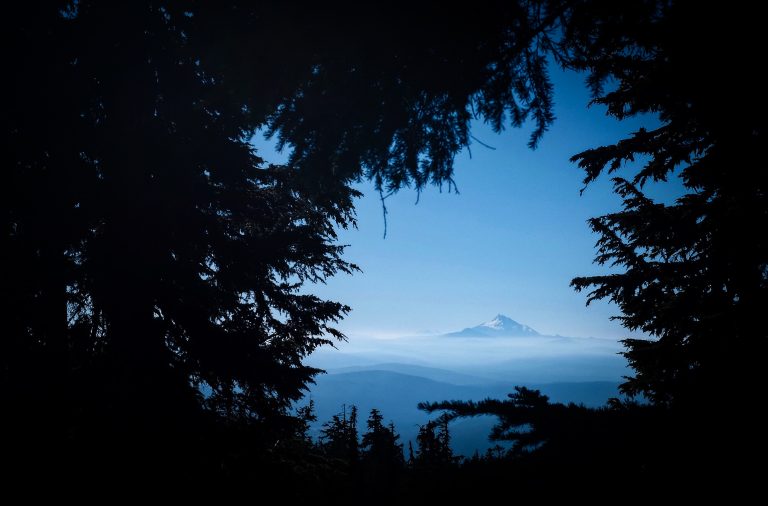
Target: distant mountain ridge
[431,373]
[499,326]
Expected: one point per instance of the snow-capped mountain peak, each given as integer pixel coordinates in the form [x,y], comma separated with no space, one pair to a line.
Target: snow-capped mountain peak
[498,322]
[499,326]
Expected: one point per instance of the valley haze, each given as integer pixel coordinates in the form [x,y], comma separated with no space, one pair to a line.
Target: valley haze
[487,360]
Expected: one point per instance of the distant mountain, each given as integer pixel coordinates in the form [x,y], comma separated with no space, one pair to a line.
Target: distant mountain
[333,358]
[566,368]
[500,326]
[431,373]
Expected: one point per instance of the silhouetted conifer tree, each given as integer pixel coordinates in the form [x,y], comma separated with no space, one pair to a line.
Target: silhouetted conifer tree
[305,416]
[339,437]
[694,272]
[434,445]
[153,261]
[381,454]
[525,418]
[562,445]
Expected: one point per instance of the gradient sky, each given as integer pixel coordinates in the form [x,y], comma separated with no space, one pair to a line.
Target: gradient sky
[509,242]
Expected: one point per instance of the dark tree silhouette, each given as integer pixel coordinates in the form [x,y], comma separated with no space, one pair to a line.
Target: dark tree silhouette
[521,418]
[339,438]
[434,446]
[694,272]
[306,415]
[153,261]
[151,254]
[557,446]
[381,455]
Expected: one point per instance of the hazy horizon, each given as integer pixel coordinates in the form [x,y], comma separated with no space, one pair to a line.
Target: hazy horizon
[394,374]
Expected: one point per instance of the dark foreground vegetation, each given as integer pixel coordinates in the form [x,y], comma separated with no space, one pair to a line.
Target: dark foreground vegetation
[153,329]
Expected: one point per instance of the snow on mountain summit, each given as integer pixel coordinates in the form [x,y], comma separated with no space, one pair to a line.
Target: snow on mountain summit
[496,323]
[499,326]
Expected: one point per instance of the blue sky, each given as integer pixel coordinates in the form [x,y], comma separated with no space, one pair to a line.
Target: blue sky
[509,242]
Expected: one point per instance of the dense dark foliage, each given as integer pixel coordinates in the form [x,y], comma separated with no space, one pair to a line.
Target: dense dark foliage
[152,307]
[434,447]
[382,455]
[694,272]
[339,438]
[153,262]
